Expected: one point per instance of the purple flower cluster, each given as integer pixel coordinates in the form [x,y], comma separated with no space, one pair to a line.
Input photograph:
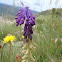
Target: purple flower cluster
[26,15]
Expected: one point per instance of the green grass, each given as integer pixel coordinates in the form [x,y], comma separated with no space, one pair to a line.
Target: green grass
[47,28]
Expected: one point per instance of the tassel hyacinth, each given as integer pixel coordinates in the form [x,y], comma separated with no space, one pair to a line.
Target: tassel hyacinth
[26,17]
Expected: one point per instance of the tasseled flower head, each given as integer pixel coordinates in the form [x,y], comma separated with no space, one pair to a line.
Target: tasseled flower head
[26,15]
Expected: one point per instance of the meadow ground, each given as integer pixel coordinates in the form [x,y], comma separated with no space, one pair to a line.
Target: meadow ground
[47,38]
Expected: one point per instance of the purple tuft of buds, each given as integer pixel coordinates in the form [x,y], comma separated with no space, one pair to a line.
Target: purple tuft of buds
[26,15]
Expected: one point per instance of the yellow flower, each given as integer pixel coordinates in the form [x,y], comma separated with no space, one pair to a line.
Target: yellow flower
[22,36]
[9,38]
[27,37]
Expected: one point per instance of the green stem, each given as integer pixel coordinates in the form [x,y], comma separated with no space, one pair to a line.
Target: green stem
[28,51]
[2,53]
[9,53]
[3,46]
[1,56]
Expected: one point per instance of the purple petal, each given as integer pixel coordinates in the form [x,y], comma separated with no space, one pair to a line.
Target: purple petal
[17,24]
[30,37]
[25,28]
[21,22]
[27,40]
[16,21]
[26,23]
[25,37]
[16,17]
[31,31]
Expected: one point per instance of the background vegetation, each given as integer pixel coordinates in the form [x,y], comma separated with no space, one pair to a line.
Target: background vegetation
[47,37]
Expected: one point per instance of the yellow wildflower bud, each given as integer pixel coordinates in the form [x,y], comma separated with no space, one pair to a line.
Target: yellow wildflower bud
[23,51]
[24,57]
[23,60]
